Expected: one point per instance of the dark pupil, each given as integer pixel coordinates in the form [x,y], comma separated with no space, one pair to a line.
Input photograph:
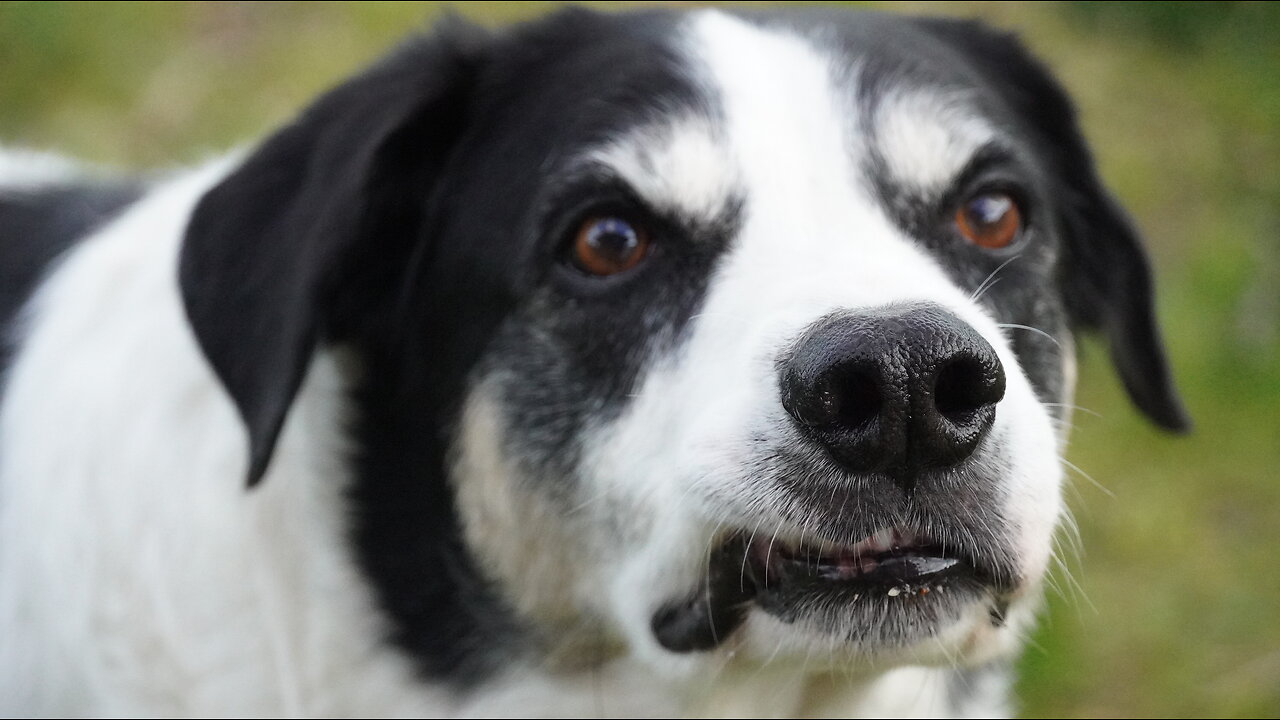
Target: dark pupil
[613,238]
[989,209]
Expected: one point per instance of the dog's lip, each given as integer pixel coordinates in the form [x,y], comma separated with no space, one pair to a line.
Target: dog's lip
[787,578]
[895,560]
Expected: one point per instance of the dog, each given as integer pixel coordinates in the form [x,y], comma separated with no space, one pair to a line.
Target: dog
[657,363]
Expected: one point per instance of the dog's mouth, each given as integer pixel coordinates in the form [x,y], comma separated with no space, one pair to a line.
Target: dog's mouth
[891,561]
[894,573]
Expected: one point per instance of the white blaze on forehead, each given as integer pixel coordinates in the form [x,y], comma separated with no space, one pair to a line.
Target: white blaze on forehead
[813,238]
[783,114]
[681,166]
[927,137]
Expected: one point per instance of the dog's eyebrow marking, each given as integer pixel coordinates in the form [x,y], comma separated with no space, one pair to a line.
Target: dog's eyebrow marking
[927,138]
[683,167]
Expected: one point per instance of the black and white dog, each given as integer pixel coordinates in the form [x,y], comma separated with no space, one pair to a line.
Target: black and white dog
[653,363]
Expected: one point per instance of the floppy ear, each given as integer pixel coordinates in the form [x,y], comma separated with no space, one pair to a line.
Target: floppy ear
[276,255]
[1105,277]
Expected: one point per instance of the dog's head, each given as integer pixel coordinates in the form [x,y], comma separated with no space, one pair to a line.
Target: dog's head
[699,330]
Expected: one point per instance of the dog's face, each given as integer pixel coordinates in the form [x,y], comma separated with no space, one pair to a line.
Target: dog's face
[709,331]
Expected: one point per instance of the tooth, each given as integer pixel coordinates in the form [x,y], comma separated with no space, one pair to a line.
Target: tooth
[894,592]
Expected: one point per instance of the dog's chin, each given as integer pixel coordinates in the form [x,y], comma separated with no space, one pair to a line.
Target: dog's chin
[896,596]
[956,633]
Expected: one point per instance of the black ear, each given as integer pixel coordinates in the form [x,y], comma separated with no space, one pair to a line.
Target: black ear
[276,254]
[1105,277]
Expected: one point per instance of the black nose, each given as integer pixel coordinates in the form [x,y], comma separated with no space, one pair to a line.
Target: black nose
[896,390]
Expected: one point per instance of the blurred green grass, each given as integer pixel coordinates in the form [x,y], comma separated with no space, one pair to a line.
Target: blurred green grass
[1173,607]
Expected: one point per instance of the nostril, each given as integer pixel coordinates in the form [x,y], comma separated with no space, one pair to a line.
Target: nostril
[860,398]
[964,386]
[846,397]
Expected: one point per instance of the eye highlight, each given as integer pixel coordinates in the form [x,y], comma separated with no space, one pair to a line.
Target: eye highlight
[991,220]
[608,245]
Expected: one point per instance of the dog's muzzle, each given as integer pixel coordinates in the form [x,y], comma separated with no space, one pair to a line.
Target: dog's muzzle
[898,400]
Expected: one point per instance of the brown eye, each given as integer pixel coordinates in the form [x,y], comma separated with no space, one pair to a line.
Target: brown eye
[990,220]
[609,245]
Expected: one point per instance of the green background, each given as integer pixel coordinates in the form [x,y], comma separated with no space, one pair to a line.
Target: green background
[1171,607]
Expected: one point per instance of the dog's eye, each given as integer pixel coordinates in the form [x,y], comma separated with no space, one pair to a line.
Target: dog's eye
[991,220]
[609,245]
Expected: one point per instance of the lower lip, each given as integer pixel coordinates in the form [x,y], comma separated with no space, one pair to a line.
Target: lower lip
[744,575]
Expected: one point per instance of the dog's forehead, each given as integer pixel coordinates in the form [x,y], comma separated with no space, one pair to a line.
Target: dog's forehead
[785,105]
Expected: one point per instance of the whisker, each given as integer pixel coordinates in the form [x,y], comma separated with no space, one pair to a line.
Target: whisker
[1087,476]
[1078,588]
[990,281]
[1084,410]
[983,291]
[1038,331]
